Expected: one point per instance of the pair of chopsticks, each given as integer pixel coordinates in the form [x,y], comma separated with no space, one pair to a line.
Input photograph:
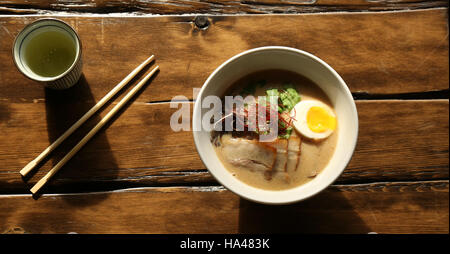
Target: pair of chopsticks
[30,166]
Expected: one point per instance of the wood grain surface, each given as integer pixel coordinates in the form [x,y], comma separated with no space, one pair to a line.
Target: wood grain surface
[140,7]
[400,207]
[375,53]
[148,179]
[401,140]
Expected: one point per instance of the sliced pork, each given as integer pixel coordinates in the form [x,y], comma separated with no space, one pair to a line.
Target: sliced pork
[249,154]
[280,145]
[293,156]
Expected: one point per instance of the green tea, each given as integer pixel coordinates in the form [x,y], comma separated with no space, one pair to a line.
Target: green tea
[50,53]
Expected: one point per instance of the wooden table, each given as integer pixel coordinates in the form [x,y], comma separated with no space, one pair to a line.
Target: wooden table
[138,176]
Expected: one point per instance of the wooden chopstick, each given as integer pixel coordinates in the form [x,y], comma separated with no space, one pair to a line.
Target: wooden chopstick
[94,130]
[32,164]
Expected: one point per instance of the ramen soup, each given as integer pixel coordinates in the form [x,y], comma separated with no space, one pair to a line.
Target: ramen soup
[306,137]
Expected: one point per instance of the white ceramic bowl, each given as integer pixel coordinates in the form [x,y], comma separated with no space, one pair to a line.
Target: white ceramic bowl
[303,63]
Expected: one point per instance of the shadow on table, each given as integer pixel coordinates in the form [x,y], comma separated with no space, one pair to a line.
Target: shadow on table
[328,212]
[4,113]
[95,160]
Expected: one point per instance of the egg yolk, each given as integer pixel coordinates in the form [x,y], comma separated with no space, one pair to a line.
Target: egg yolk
[319,120]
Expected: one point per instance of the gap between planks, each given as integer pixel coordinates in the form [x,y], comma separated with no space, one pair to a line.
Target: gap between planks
[437,185]
[187,6]
[358,97]
[46,13]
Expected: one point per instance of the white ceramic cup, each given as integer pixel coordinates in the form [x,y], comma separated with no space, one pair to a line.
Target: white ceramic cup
[62,81]
[300,62]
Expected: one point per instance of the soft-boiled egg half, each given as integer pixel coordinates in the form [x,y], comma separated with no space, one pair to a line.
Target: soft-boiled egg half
[314,119]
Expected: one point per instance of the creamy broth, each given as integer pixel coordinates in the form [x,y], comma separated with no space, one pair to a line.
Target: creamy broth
[314,155]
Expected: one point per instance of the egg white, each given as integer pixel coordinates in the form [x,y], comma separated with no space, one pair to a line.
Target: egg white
[300,112]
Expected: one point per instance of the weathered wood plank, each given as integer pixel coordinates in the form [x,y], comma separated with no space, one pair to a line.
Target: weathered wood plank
[402,140]
[140,7]
[381,53]
[398,140]
[403,207]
